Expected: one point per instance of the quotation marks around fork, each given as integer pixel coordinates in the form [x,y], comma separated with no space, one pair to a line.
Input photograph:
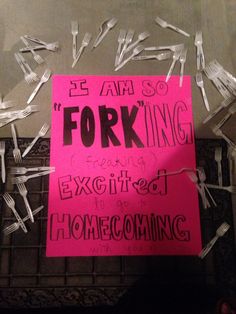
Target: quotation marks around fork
[140,103]
[57,106]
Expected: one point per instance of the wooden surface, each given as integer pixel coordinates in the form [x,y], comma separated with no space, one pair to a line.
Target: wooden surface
[50,20]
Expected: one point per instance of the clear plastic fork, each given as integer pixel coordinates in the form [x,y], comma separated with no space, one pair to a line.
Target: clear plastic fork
[36,56]
[175,57]
[11,203]
[21,114]
[164,24]
[85,43]
[42,44]
[128,39]
[45,77]
[200,55]
[16,151]
[223,228]
[160,56]
[74,32]
[104,29]
[41,133]
[200,84]
[34,77]
[15,226]
[23,179]
[23,192]
[23,170]
[121,40]
[27,75]
[171,47]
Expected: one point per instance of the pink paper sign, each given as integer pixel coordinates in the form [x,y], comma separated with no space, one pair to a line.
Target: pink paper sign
[115,142]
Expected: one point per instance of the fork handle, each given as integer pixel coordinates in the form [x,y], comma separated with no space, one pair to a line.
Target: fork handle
[178,30]
[170,70]
[74,46]
[3,169]
[106,30]
[28,208]
[36,40]
[30,146]
[78,55]
[198,58]
[35,91]
[208,247]
[202,57]
[181,74]
[13,131]
[39,174]
[205,98]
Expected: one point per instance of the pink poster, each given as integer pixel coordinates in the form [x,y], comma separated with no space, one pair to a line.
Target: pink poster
[117,143]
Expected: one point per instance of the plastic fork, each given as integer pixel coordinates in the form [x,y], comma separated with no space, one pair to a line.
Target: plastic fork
[164,24]
[121,40]
[23,179]
[200,84]
[229,188]
[15,226]
[212,74]
[36,56]
[218,159]
[45,77]
[220,232]
[2,154]
[85,43]
[27,75]
[11,203]
[135,52]
[193,177]
[74,32]
[34,77]
[128,40]
[104,29]
[23,192]
[16,151]
[172,48]
[23,170]
[159,56]
[175,58]
[202,178]
[141,37]
[50,46]
[225,77]
[41,133]
[21,114]
[200,54]
[182,60]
